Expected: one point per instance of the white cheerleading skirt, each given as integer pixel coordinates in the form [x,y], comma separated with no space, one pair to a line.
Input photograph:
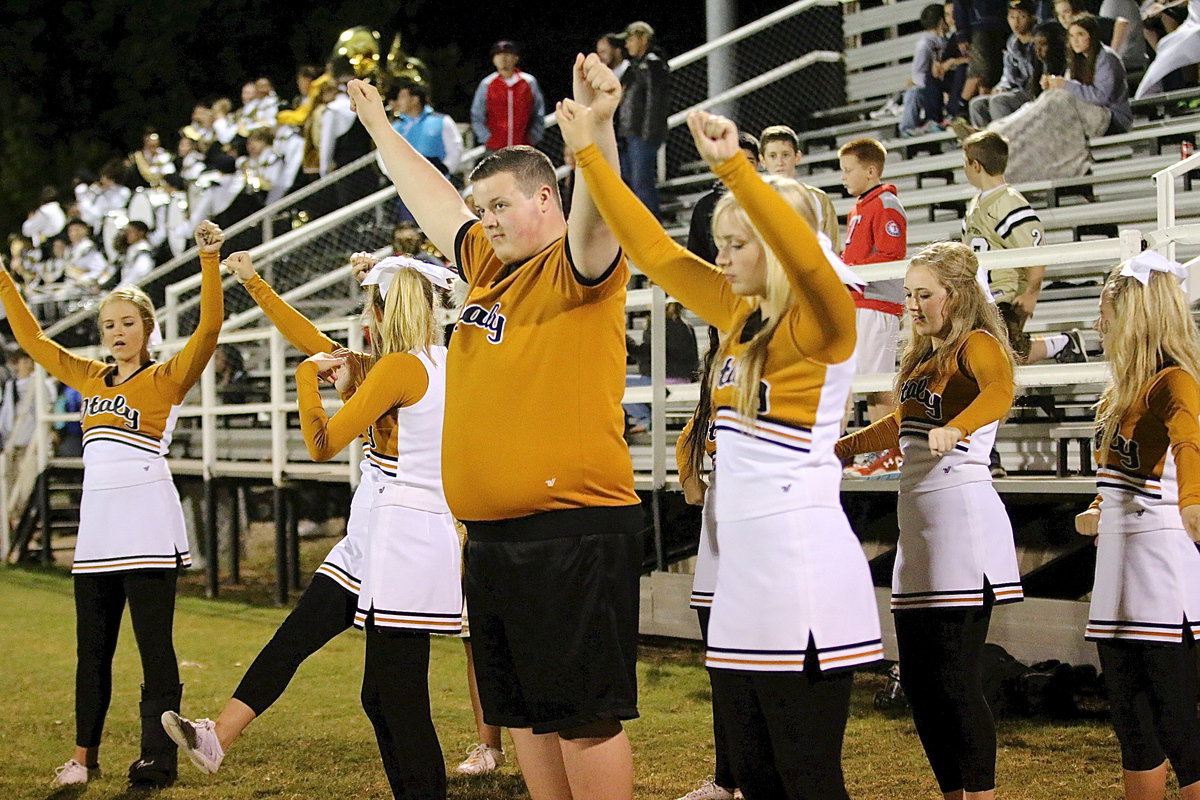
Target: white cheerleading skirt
[704,581]
[131,528]
[788,578]
[344,563]
[411,575]
[1147,587]
[952,542]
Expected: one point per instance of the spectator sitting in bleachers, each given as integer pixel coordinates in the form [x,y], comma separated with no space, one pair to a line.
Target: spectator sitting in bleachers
[779,154]
[47,220]
[1049,55]
[150,163]
[952,69]
[923,106]
[138,259]
[409,240]
[1129,36]
[86,266]
[107,194]
[224,125]
[683,360]
[68,436]
[1177,49]
[1012,92]
[1049,137]
[54,266]
[200,129]
[700,236]
[261,168]
[189,157]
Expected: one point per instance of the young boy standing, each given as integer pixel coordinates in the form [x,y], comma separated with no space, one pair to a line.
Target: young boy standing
[779,154]
[876,231]
[999,218]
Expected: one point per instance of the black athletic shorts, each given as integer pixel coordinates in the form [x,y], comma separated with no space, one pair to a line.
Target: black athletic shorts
[554,616]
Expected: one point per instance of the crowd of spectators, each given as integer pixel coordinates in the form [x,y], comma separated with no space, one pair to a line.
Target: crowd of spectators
[980,62]
[226,163]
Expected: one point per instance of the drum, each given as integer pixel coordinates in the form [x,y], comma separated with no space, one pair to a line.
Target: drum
[110,234]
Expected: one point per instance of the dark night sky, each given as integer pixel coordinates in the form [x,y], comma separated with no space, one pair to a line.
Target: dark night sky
[83,78]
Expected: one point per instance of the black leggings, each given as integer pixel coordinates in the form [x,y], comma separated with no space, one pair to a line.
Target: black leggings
[942,676]
[723,770]
[99,604]
[1152,691]
[395,695]
[323,611]
[784,730]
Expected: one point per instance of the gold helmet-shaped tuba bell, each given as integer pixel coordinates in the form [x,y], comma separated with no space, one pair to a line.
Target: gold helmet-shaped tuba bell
[360,46]
[401,65]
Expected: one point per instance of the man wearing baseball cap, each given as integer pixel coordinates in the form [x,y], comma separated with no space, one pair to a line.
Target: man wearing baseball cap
[1011,93]
[642,117]
[508,108]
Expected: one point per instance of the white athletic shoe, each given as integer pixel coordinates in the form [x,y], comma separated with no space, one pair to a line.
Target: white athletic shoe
[480,760]
[197,739]
[73,773]
[708,790]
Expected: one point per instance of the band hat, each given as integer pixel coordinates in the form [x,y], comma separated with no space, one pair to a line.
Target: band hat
[505,46]
[1028,6]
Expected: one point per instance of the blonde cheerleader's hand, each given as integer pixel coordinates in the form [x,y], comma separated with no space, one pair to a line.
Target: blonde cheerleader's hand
[209,237]
[360,264]
[575,122]
[942,440]
[1191,522]
[345,377]
[694,489]
[325,365]
[366,102]
[716,137]
[1088,523]
[596,86]
[240,265]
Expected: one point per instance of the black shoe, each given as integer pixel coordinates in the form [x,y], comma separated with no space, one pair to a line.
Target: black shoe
[1074,352]
[153,773]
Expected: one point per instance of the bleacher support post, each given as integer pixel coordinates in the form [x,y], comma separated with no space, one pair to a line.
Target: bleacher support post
[212,566]
[658,414]
[235,534]
[43,505]
[293,540]
[279,503]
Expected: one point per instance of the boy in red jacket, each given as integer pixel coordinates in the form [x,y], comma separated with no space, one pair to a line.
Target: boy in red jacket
[876,231]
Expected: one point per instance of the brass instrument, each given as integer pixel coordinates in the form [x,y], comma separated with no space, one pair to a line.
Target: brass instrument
[401,65]
[360,46]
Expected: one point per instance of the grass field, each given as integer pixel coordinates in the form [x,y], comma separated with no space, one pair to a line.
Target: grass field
[316,743]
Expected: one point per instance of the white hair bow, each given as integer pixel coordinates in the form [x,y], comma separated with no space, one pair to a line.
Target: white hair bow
[981,277]
[847,275]
[1141,265]
[383,273]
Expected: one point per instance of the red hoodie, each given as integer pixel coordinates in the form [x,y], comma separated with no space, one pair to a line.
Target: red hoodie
[877,231]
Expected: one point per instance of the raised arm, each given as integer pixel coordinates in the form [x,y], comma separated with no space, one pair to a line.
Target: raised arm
[184,368]
[593,246]
[824,327]
[685,276]
[397,380]
[63,365]
[433,201]
[294,326]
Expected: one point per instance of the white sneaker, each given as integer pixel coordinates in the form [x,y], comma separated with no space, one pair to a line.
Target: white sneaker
[708,790]
[73,773]
[197,739]
[481,759]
